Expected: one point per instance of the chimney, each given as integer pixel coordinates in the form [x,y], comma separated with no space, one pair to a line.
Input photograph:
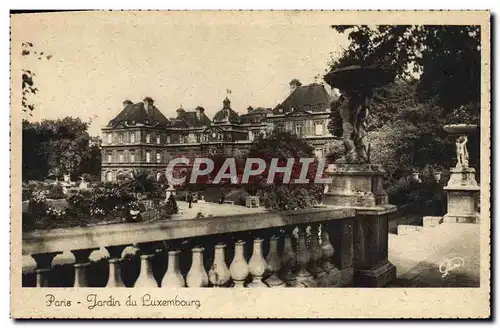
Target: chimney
[180,111]
[294,84]
[148,105]
[126,103]
[250,109]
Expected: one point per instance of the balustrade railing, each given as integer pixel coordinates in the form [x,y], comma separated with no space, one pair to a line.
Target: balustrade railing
[270,249]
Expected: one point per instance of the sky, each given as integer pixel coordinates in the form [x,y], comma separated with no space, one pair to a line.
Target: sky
[177,58]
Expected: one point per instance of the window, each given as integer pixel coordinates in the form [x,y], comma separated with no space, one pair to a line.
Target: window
[280,127]
[120,138]
[110,157]
[319,128]
[132,157]
[148,138]
[250,135]
[110,138]
[168,139]
[109,176]
[158,157]
[132,137]
[298,128]
[148,157]
[289,126]
[158,139]
[121,158]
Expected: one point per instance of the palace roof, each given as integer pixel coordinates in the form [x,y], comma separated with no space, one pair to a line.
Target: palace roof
[137,113]
[312,97]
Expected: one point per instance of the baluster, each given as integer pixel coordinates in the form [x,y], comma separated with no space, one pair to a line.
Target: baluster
[146,277]
[81,265]
[273,264]
[115,260]
[257,264]
[219,272]
[316,253]
[197,276]
[43,267]
[288,260]
[333,274]
[173,277]
[239,266]
[303,257]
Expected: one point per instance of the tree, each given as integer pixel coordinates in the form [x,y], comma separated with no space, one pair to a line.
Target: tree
[28,76]
[278,194]
[57,147]
[448,58]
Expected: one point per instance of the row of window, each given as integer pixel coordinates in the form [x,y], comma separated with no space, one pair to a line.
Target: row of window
[181,138]
[131,138]
[132,157]
[298,128]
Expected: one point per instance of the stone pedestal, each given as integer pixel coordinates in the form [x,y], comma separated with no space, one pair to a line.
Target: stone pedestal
[365,238]
[462,190]
[355,185]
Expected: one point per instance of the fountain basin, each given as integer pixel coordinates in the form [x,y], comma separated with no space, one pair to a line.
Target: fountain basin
[359,77]
[460,128]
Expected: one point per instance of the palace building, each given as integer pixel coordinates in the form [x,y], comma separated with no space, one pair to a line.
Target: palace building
[141,137]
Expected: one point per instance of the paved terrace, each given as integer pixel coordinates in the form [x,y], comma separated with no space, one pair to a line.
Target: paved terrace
[418,255]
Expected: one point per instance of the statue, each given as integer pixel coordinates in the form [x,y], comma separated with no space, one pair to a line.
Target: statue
[354,113]
[462,153]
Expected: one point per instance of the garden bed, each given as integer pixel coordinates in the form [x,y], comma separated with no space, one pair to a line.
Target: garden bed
[107,204]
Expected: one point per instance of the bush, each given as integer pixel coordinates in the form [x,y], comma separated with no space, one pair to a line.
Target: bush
[37,205]
[428,194]
[55,192]
[109,199]
[288,197]
[27,191]
[79,203]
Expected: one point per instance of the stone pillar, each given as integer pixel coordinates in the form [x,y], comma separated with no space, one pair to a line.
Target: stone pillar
[371,235]
[362,242]
[462,192]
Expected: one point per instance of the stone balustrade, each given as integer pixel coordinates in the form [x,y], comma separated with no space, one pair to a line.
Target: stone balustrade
[301,248]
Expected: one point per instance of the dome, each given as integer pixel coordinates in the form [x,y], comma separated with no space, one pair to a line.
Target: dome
[226,114]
